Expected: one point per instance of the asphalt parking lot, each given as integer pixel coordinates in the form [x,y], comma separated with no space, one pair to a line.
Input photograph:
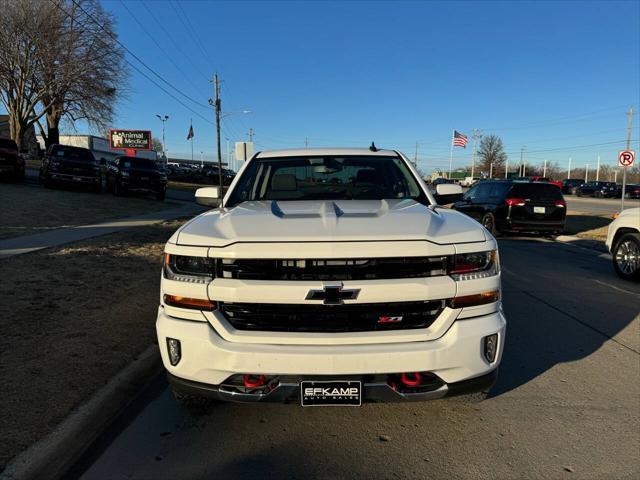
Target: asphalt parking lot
[565,406]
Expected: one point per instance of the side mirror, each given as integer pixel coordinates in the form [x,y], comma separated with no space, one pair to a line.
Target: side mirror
[448,193]
[208,196]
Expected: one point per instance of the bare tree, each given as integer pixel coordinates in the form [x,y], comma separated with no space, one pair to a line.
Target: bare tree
[492,155]
[156,145]
[58,59]
[24,33]
[87,44]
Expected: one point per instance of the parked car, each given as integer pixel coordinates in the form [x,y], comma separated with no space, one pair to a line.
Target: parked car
[469,181]
[329,277]
[536,178]
[623,241]
[632,191]
[11,161]
[505,206]
[135,174]
[589,189]
[609,190]
[67,165]
[441,181]
[569,184]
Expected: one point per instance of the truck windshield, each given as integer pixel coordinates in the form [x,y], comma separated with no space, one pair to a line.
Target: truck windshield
[72,153]
[326,178]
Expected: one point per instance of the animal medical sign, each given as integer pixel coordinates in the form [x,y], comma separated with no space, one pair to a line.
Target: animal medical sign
[130,139]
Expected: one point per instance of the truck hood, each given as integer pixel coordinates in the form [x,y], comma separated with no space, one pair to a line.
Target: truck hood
[328,221]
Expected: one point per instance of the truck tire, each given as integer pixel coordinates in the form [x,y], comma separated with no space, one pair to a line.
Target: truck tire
[626,256]
[489,222]
[118,190]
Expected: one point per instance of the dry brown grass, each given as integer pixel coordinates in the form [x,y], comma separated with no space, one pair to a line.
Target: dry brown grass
[71,318]
[587,225]
[28,209]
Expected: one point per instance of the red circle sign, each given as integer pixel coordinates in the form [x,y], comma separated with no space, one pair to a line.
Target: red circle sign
[626,158]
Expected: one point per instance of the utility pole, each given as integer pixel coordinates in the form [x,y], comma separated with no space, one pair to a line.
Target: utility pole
[476,136]
[624,169]
[586,174]
[506,168]
[569,169]
[415,158]
[217,103]
[490,170]
[251,133]
[615,176]
[544,170]
[306,142]
[598,170]
[228,157]
[201,159]
[163,119]
[522,168]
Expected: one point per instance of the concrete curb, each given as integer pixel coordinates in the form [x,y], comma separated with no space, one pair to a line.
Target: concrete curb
[583,243]
[52,456]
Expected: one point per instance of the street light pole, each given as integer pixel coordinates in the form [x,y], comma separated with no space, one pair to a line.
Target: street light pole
[163,119]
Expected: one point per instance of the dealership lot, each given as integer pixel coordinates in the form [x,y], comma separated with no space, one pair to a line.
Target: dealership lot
[565,404]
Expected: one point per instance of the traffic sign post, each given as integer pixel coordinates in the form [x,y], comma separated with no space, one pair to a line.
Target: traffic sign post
[625,161]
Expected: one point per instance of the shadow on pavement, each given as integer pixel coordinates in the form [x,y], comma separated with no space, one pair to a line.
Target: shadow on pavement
[562,304]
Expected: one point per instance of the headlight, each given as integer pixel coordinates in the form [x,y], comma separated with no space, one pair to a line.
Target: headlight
[182,268]
[471,266]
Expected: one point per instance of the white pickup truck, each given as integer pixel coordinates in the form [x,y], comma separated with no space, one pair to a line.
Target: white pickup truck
[330,277]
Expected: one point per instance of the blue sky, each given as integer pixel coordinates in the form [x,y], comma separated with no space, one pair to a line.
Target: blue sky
[547,75]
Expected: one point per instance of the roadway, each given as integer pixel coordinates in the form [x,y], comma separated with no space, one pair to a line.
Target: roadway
[565,406]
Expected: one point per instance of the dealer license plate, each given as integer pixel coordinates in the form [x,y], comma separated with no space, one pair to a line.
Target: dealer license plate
[326,393]
[538,209]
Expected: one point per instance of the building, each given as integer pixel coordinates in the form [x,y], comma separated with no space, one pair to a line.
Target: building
[30,143]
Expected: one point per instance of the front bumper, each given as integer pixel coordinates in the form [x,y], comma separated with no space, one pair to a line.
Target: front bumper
[288,390]
[208,360]
[534,225]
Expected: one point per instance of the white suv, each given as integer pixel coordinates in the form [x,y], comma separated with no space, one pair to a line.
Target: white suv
[623,241]
[330,277]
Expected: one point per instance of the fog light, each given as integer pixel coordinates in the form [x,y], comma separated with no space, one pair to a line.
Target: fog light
[175,352]
[491,347]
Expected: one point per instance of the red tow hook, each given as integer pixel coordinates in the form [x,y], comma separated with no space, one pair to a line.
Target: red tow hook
[253,381]
[411,379]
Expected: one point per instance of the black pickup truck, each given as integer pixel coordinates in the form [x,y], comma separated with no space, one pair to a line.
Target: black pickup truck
[11,162]
[134,174]
[66,165]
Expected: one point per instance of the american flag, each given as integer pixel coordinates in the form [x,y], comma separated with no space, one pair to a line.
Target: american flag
[459,140]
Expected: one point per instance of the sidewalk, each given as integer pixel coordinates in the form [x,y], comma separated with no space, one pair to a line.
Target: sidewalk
[30,243]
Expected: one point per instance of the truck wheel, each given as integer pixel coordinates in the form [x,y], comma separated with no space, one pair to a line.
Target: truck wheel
[118,191]
[160,195]
[626,256]
[489,222]
[196,406]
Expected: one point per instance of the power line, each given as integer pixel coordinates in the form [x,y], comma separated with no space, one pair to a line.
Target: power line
[135,56]
[175,44]
[135,67]
[192,31]
[167,56]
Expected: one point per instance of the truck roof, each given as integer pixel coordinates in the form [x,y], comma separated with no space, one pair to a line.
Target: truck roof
[305,152]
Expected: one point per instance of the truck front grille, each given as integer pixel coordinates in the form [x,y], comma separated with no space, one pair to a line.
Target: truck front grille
[332,318]
[334,269]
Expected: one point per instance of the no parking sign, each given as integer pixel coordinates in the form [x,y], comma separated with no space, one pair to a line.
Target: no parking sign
[626,158]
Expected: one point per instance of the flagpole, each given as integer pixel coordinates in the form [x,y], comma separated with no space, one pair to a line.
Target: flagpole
[191,129]
[451,154]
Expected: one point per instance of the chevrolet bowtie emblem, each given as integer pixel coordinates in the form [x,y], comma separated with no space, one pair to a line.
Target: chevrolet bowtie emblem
[333,294]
